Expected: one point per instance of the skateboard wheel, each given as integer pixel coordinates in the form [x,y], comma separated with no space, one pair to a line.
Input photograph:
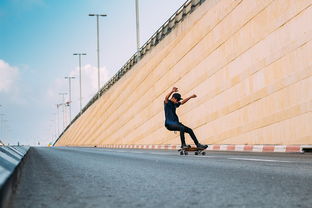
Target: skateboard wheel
[181,153]
[186,153]
[203,153]
[196,153]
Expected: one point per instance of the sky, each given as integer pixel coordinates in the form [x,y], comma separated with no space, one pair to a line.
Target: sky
[37,42]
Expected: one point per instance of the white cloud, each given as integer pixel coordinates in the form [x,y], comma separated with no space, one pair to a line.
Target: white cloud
[8,76]
[89,83]
[89,80]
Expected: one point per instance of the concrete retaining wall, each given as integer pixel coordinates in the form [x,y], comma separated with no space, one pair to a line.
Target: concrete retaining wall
[248,61]
[11,158]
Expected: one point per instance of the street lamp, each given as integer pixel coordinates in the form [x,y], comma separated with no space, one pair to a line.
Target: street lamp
[69,90]
[80,54]
[98,45]
[58,119]
[63,104]
[137,24]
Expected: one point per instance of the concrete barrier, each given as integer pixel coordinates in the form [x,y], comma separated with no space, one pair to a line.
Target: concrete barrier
[223,147]
[11,160]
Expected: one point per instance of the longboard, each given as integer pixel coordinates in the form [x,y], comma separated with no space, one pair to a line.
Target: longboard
[197,151]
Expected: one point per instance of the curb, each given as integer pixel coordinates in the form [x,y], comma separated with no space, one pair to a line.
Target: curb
[222,147]
[12,159]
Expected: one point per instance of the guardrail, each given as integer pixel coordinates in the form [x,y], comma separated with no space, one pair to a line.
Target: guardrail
[187,8]
[11,158]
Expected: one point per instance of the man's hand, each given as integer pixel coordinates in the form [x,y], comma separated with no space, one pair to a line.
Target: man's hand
[174,89]
[187,99]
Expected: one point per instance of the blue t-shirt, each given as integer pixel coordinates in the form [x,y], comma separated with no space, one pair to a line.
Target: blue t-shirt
[170,112]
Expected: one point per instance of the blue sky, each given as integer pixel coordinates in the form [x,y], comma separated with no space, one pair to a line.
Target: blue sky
[37,40]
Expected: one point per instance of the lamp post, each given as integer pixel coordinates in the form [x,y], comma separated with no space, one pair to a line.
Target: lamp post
[58,119]
[80,93]
[63,104]
[69,91]
[98,46]
[137,12]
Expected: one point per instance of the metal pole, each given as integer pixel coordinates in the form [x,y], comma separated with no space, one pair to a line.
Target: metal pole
[80,96]
[69,91]
[55,125]
[98,47]
[58,120]
[137,12]
[63,103]
[80,86]
[98,51]
[63,111]
[69,100]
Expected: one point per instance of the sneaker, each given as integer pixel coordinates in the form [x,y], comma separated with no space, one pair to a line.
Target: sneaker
[200,146]
[184,146]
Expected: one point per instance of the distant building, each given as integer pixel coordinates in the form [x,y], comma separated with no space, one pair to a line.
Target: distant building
[1,143]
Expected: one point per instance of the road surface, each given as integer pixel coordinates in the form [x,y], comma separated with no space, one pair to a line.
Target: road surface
[95,177]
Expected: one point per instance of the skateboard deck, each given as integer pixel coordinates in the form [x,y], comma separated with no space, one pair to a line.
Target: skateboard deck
[198,151]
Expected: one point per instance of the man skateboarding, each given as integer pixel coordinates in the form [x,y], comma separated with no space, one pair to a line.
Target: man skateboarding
[172,122]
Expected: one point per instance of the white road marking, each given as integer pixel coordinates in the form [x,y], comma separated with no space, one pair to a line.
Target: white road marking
[258,160]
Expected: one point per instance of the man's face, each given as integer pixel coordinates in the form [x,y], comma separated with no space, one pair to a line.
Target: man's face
[174,100]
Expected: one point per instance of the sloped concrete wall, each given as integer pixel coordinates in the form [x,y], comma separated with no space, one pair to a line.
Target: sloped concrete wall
[248,61]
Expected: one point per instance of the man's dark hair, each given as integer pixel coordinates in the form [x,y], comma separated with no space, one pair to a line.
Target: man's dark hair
[177,96]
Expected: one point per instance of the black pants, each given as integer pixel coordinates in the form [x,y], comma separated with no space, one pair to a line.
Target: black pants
[175,126]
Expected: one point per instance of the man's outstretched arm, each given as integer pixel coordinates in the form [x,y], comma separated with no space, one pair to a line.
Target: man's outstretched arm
[187,99]
[174,89]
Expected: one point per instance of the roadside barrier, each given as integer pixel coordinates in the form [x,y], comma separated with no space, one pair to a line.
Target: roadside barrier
[216,147]
[11,160]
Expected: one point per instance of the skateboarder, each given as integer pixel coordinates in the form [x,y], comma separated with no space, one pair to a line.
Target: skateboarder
[172,122]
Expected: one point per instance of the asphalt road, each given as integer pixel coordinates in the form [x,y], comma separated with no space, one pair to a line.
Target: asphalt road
[94,177]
